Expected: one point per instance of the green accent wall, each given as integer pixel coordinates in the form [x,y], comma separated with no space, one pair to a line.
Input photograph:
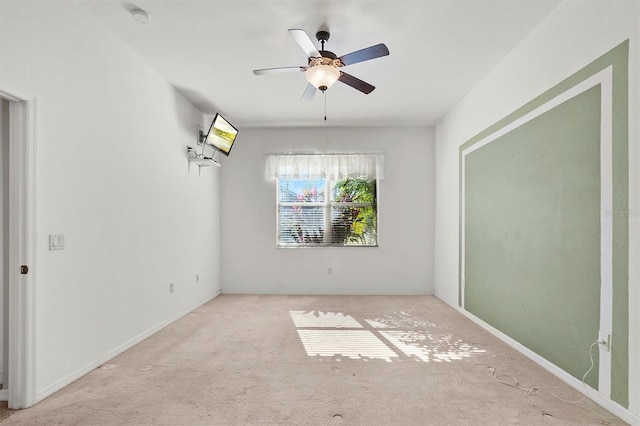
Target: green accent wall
[530,203]
[533,233]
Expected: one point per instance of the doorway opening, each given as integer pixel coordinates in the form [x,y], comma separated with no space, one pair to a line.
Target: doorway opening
[17,307]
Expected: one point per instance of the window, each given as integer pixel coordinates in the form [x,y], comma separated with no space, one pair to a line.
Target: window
[326,200]
[326,212]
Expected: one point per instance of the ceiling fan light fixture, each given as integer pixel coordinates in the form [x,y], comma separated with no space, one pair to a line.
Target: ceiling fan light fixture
[322,76]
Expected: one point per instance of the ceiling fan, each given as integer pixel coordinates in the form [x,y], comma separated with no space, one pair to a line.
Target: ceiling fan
[324,67]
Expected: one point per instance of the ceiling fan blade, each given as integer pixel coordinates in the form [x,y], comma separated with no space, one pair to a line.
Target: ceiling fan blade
[365,54]
[279,70]
[301,37]
[309,92]
[356,83]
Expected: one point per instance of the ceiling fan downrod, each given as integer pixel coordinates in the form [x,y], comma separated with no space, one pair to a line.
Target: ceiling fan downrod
[322,37]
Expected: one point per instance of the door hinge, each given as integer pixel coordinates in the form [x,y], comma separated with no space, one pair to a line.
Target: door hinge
[24,269]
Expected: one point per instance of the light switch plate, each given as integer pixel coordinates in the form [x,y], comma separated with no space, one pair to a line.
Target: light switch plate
[56,242]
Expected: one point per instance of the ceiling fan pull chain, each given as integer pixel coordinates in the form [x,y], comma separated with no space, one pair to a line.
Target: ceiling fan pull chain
[325,105]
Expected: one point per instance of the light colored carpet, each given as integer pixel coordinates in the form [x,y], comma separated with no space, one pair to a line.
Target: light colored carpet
[4,410]
[307,360]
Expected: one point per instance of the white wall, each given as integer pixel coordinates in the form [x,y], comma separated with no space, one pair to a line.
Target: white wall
[576,33]
[112,177]
[403,262]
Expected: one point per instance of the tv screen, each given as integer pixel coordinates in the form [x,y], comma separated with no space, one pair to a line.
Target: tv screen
[221,135]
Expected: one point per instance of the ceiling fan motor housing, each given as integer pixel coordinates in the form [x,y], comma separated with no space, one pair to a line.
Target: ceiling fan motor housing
[327,57]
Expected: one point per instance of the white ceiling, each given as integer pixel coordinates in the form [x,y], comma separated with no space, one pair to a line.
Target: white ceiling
[439,50]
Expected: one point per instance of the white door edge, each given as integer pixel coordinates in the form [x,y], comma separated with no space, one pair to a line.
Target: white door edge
[22,244]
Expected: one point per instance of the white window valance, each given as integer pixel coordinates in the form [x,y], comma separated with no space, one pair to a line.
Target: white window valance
[328,166]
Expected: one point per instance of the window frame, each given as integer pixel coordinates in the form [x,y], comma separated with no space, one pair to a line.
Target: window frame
[329,205]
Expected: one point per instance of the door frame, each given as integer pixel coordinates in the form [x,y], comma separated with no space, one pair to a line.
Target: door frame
[22,245]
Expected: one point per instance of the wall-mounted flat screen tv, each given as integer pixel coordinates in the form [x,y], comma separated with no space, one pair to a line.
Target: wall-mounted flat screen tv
[221,135]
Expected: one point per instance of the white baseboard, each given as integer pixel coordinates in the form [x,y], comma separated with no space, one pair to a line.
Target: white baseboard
[40,395]
[4,394]
[593,394]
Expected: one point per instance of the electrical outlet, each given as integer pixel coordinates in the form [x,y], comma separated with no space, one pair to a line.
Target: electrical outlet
[171,287]
[197,278]
[329,270]
[604,340]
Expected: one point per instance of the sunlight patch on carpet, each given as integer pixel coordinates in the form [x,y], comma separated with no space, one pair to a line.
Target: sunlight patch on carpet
[404,320]
[389,337]
[354,344]
[307,319]
[426,347]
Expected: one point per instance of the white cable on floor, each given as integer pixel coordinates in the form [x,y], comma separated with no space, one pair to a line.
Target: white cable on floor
[515,383]
[528,391]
